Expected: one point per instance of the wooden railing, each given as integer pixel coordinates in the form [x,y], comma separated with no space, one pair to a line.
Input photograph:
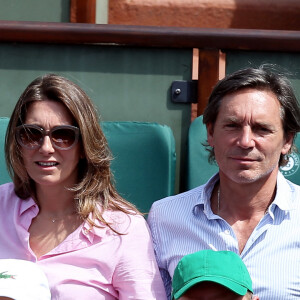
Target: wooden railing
[150,36]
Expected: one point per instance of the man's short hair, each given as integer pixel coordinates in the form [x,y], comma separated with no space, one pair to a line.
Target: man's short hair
[263,78]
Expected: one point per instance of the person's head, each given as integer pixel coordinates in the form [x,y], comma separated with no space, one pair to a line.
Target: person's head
[208,290]
[80,112]
[262,79]
[208,274]
[51,101]
[22,280]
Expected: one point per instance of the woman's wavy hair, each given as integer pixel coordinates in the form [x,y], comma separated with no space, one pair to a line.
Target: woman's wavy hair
[266,77]
[94,191]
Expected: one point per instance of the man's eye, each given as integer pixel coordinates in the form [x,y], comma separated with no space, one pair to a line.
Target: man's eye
[263,129]
[231,125]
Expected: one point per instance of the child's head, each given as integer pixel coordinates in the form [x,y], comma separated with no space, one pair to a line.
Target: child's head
[209,274]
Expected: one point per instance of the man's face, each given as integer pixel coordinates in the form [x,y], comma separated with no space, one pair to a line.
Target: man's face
[248,136]
[210,291]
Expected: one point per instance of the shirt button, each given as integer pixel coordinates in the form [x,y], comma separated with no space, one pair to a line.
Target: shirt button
[227,231]
[85,231]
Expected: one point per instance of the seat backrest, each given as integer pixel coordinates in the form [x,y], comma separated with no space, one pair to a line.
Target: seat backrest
[199,170]
[4,177]
[144,160]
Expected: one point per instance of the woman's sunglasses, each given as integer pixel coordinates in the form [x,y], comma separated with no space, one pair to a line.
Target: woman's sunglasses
[62,137]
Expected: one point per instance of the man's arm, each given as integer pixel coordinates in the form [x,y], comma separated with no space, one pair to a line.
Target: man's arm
[154,227]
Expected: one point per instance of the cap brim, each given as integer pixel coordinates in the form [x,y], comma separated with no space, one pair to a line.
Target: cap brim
[227,283]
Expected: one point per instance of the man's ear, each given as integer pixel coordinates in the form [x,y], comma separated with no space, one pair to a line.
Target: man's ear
[255,298]
[288,144]
[210,133]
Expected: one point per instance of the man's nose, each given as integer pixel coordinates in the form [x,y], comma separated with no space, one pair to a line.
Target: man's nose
[246,138]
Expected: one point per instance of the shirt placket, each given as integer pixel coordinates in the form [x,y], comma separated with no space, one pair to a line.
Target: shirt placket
[228,236]
[258,231]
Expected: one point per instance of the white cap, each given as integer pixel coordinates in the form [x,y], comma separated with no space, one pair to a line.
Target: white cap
[23,280]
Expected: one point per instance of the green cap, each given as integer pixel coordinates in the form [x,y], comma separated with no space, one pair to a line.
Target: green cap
[223,267]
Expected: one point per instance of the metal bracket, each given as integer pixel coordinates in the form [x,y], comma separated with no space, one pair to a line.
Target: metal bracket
[184,91]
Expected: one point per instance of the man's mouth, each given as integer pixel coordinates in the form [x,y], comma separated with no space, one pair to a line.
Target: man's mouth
[244,158]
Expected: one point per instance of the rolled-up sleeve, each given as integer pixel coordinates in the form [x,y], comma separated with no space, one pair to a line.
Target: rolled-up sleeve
[137,275]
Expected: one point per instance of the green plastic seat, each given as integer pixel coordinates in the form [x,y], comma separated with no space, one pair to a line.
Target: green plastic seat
[4,177]
[199,170]
[144,164]
[144,160]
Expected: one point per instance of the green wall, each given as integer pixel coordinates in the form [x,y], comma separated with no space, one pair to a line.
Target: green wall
[125,83]
[289,63]
[35,10]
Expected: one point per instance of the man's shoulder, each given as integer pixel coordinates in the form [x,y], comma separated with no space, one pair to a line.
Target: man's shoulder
[287,185]
[188,198]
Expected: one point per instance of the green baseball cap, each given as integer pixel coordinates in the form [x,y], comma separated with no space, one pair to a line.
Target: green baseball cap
[223,267]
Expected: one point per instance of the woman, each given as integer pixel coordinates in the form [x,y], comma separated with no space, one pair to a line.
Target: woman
[62,210]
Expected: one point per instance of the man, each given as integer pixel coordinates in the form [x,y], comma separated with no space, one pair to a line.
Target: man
[212,275]
[249,208]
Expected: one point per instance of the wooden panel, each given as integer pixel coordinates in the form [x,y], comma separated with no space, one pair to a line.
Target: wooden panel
[83,11]
[147,36]
[248,14]
[211,69]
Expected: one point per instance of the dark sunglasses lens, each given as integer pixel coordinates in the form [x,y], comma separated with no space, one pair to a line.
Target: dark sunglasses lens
[63,137]
[30,137]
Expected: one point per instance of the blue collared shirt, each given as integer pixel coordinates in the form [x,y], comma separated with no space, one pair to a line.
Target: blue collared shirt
[185,223]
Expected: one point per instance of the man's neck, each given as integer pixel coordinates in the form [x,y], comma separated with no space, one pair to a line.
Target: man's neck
[243,205]
[245,200]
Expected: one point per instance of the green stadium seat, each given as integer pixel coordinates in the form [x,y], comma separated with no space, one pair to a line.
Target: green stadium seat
[199,170]
[144,164]
[4,177]
[144,160]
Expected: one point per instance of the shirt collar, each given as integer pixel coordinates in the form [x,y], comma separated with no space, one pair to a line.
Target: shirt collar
[97,231]
[203,202]
[29,207]
[28,204]
[282,199]
[118,220]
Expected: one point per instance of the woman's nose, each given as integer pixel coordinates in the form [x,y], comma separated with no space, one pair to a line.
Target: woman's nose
[46,146]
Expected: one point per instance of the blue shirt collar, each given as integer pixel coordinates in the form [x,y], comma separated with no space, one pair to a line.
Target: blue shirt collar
[283,199]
